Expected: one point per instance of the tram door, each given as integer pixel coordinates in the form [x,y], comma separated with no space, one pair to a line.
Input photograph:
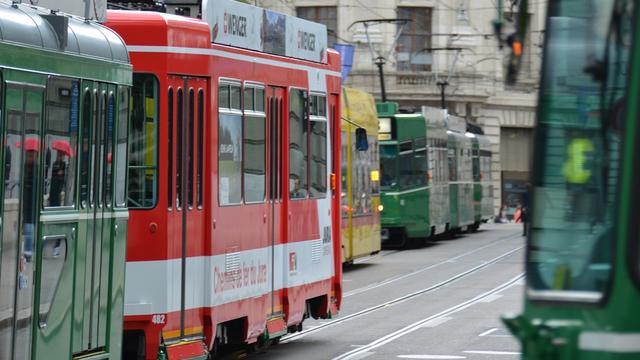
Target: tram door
[275,109]
[186,102]
[91,309]
[19,218]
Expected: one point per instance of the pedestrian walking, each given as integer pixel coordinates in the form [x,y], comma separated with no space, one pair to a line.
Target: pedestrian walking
[526,208]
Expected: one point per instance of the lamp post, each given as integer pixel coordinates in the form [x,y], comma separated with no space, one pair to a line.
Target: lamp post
[442,84]
[380,61]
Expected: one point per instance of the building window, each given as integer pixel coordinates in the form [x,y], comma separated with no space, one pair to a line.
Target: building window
[415,40]
[326,15]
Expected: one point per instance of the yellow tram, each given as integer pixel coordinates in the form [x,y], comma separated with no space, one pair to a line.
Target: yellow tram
[360,197]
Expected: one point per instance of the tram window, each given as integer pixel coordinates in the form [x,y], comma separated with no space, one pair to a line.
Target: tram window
[190,143]
[318,105]
[259,100]
[61,140]
[272,146]
[143,140]
[179,138]
[373,164]
[170,159]
[254,174]
[476,168]
[420,162]
[94,165]
[318,146]
[406,164]
[121,148]
[318,159]
[248,98]
[108,151]
[388,164]
[453,167]
[572,243]
[344,200]
[199,180]
[254,161]
[234,97]
[230,149]
[298,137]
[223,96]
[85,151]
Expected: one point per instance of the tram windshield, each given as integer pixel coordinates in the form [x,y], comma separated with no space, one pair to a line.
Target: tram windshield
[580,123]
[388,166]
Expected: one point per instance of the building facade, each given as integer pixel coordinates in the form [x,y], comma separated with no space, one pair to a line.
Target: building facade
[449,42]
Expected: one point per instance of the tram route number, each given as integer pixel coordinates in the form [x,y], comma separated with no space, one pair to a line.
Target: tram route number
[158,319]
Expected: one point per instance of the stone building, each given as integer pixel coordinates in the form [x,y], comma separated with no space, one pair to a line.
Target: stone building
[445,40]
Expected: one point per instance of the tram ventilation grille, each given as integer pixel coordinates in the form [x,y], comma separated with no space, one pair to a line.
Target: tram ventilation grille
[232,263]
[316,251]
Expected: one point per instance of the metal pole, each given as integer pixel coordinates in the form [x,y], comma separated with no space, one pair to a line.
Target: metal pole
[442,85]
[87,9]
[380,62]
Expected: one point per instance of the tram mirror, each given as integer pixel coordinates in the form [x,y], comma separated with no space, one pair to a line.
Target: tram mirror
[362,143]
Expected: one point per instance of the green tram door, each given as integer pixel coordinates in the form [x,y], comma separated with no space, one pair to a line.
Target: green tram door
[97,219]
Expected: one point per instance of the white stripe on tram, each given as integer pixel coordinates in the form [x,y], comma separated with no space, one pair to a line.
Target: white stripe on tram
[84,216]
[396,193]
[609,342]
[153,287]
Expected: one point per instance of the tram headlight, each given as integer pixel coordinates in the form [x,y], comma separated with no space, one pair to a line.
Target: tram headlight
[380,208]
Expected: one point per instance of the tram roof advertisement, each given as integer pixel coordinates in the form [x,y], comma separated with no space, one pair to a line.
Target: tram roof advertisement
[246,26]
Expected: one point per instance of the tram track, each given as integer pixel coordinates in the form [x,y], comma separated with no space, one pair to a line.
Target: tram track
[355,353]
[401,299]
[430,267]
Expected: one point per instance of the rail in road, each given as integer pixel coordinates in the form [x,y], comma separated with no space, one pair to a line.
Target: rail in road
[390,299]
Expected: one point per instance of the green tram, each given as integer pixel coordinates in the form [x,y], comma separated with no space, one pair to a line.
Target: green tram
[583,250]
[427,175]
[64,108]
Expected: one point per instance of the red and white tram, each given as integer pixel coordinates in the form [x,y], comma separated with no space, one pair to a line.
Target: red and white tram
[234,199]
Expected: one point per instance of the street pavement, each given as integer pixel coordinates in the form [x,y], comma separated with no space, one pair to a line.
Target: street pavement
[440,301]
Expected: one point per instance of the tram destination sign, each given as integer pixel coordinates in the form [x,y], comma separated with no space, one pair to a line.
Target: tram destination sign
[249,27]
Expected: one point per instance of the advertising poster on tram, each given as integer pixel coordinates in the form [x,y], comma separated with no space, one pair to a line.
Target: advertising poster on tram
[240,25]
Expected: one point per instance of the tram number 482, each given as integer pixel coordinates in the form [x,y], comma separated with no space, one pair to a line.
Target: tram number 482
[158,319]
